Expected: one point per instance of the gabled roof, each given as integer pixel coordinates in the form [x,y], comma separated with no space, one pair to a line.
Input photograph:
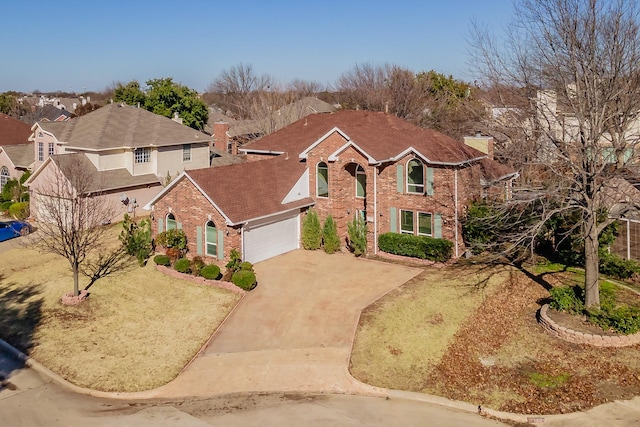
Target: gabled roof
[116,125]
[13,131]
[21,155]
[248,191]
[101,181]
[382,136]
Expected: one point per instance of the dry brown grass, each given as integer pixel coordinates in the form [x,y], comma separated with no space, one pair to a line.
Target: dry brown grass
[136,332]
[404,335]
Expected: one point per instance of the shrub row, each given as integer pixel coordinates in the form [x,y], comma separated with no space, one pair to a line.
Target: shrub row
[239,273]
[314,236]
[423,247]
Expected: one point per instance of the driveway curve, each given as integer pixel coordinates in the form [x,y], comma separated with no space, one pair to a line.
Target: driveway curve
[294,332]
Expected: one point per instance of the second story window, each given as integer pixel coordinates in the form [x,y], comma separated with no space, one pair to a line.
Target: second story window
[322,180]
[51,149]
[415,177]
[186,152]
[40,151]
[142,155]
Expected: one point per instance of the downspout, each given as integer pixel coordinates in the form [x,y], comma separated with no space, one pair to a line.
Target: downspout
[375,210]
[455,207]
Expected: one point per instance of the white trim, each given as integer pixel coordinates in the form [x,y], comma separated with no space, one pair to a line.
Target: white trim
[300,189]
[413,222]
[304,154]
[455,207]
[316,171]
[417,224]
[258,218]
[206,242]
[334,156]
[249,150]
[427,160]
[364,172]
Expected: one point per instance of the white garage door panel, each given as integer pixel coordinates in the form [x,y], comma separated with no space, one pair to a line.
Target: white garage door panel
[266,241]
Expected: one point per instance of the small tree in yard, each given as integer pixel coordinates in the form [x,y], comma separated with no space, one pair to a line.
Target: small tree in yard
[358,235]
[72,218]
[573,69]
[136,239]
[311,231]
[330,238]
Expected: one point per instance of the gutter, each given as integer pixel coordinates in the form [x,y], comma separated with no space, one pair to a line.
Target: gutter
[247,221]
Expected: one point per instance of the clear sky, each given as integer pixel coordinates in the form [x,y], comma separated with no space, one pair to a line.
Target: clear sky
[78,45]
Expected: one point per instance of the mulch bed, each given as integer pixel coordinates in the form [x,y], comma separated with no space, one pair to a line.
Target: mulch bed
[588,376]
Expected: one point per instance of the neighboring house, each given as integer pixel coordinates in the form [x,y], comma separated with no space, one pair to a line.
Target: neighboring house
[130,150]
[239,132]
[399,177]
[14,149]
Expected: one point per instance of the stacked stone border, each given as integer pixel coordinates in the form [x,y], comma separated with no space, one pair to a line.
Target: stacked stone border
[576,337]
[200,280]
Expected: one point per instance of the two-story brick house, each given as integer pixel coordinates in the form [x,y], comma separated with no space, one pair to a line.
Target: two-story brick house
[400,177]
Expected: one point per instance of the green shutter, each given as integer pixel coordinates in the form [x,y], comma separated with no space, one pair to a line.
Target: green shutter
[220,244]
[628,154]
[393,220]
[400,178]
[437,226]
[199,239]
[179,225]
[160,225]
[429,181]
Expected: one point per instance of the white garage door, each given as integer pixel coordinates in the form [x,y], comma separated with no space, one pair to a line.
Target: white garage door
[266,240]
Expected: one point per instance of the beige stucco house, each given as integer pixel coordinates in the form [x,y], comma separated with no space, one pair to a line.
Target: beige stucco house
[129,151]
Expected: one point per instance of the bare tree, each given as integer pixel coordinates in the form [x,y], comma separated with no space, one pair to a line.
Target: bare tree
[72,216]
[237,87]
[574,65]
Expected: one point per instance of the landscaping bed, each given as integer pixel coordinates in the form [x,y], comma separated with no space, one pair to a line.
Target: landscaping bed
[497,356]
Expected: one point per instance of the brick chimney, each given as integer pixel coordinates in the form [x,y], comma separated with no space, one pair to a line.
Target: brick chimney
[481,143]
[221,138]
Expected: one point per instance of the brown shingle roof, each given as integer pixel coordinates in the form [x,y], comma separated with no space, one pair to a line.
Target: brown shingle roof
[252,190]
[382,136]
[117,125]
[13,131]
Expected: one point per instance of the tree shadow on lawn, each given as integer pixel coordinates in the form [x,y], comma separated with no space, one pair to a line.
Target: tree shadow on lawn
[20,314]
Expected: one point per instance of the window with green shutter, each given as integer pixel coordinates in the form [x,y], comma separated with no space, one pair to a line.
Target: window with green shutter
[406,222]
[415,177]
[211,235]
[424,224]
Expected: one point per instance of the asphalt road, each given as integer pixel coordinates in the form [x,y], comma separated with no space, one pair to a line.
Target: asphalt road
[28,400]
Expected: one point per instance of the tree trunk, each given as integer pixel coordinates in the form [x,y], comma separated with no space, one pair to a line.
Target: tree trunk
[591,263]
[76,287]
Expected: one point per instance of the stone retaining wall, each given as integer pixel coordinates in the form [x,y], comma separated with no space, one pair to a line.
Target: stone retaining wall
[584,338]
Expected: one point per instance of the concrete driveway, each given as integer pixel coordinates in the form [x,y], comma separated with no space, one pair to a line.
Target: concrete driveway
[295,330]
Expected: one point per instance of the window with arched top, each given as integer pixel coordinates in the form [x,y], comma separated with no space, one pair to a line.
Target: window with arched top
[322,180]
[361,182]
[172,224]
[211,238]
[4,177]
[415,176]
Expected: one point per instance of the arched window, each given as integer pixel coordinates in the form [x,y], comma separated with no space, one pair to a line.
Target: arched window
[171,222]
[415,176]
[211,238]
[322,180]
[4,177]
[361,182]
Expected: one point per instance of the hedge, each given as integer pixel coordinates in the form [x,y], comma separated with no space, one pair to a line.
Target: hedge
[423,247]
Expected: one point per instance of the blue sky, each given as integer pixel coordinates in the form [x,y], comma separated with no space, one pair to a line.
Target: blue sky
[87,45]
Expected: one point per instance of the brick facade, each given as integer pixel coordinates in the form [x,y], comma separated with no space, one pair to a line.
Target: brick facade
[191,209]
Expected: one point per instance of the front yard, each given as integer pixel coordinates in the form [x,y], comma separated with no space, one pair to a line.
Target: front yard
[137,330]
[449,333]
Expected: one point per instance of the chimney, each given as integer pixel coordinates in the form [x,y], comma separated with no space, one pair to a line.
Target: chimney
[221,138]
[481,143]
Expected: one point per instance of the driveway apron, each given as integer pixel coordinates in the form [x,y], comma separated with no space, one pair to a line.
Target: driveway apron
[295,330]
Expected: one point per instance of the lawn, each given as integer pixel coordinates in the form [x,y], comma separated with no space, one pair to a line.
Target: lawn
[137,330]
[442,334]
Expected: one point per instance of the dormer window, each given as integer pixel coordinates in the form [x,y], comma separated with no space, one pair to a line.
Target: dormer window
[142,155]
